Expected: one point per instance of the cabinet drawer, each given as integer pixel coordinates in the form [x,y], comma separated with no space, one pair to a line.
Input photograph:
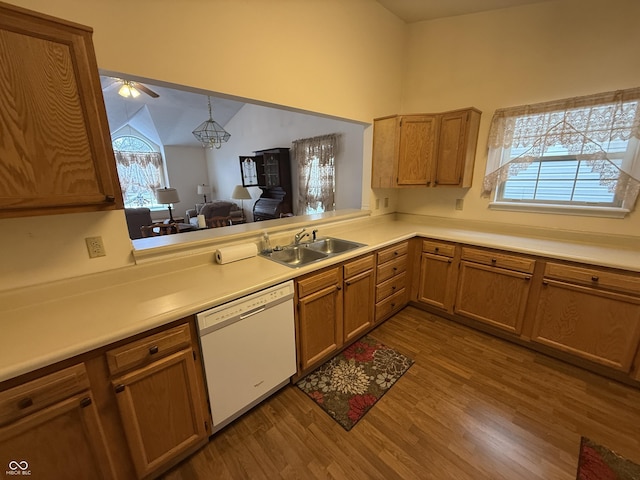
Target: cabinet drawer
[438,248]
[147,349]
[391,304]
[389,269]
[42,392]
[358,266]
[318,281]
[510,262]
[391,286]
[594,278]
[392,252]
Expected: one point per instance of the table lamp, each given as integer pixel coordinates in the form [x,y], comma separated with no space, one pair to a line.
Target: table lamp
[167,196]
[203,190]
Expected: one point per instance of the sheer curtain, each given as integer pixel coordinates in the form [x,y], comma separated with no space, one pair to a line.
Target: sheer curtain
[586,128]
[140,176]
[315,158]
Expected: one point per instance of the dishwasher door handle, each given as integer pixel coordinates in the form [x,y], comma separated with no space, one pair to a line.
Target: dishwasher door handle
[252,313]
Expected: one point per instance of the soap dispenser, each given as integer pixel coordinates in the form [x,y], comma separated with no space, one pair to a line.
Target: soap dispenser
[266,243]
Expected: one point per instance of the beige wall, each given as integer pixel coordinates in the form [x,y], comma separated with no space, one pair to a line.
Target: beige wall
[342,58]
[517,56]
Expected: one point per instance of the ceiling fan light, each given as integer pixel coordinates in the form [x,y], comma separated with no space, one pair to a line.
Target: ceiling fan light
[125,90]
[134,92]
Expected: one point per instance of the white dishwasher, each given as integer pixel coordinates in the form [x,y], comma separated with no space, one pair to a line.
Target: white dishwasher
[248,350]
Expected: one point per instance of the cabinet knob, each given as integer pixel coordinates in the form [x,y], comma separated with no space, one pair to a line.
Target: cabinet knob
[119,388]
[338,287]
[393,287]
[25,403]
[109,198]
[527,277]
[494,260]
[153,349]
[428,184]
[85,402]
[595,278]
[437,249]
[348,284]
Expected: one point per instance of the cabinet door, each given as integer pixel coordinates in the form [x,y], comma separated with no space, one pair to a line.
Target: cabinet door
[451,152]
[358,304]
[320,324]
[56,148]
[599,326]
[385,150]
[62,441]
[271,164]
[161,410]
[436,281]
[492,295]
[417,150]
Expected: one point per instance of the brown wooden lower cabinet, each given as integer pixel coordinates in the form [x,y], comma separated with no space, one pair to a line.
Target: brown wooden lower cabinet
[160,409]
[128,410]
[62,437]
[492,295]
[319,316]
[358,297]
[597,325]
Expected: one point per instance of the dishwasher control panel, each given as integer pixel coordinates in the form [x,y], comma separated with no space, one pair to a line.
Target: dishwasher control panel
[245,306]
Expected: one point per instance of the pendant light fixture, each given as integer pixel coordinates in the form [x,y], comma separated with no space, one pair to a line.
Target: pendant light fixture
[210,133]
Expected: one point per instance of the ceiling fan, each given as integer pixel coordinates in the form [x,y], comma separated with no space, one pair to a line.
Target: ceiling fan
[130,88]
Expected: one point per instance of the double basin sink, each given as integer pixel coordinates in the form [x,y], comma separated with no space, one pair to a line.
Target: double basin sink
[310,252]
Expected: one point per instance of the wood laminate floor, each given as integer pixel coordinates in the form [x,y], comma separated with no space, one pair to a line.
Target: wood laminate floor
[471,407]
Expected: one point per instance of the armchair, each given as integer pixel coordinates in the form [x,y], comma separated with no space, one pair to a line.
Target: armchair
[217,208]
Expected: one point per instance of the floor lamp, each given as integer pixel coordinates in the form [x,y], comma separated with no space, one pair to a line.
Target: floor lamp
[241,193]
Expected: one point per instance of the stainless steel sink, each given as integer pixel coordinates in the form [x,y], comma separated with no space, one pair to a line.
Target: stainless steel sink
[295,256]
[309,252]
[332,245]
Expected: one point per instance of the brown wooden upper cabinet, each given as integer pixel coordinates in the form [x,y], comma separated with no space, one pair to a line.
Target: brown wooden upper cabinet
[425,150]
[56,149]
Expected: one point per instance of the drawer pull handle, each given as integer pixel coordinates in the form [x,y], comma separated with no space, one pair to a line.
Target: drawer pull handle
[494,260]
[595,278]
[119,388]
[25,403]
[153,349]
[85,402]
[437,249]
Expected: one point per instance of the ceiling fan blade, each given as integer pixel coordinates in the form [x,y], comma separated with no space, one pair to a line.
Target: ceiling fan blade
[109,82]
[145,89]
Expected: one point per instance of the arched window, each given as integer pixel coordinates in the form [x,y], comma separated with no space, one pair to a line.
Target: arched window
[140,170]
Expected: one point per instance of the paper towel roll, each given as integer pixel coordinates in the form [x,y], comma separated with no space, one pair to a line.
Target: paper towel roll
[236,252]
[202,223]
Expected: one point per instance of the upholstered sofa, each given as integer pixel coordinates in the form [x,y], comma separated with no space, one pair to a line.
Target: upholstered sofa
[216,209]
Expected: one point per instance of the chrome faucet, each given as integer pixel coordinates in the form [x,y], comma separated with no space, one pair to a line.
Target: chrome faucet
[299,236]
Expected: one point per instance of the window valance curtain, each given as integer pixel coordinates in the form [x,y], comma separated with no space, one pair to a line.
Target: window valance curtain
[584,127]
[315,158]
[139,172]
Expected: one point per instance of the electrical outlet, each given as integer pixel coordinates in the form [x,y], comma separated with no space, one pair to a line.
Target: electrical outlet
[459,203]
[95,247]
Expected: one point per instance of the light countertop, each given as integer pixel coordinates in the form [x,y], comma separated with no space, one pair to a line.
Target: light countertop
[45,324]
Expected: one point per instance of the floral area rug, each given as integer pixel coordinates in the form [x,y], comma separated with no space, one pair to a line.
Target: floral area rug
[599,463]
[348,385]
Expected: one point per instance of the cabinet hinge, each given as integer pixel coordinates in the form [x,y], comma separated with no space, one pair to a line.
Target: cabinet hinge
[206,425]
[194,354]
